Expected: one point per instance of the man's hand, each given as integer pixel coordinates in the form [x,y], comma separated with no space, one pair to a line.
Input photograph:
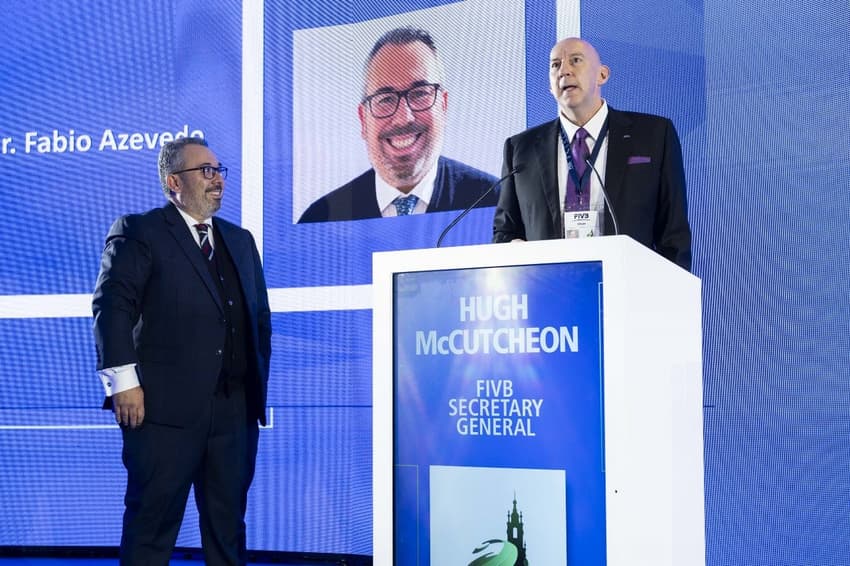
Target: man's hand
[129,407]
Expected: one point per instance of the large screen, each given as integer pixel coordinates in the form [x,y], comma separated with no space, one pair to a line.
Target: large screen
[757,93]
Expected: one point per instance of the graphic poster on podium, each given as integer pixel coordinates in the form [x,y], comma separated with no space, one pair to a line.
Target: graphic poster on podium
[498,416]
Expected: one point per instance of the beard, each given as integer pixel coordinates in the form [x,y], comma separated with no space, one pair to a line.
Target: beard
[198,203]
[408,170]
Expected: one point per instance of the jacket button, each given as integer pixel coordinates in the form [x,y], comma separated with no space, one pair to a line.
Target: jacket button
[218,352]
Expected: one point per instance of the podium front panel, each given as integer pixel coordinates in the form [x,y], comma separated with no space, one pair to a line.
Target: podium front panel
[498,450]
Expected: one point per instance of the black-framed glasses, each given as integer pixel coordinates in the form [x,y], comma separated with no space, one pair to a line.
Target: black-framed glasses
[419,98]
[208,171]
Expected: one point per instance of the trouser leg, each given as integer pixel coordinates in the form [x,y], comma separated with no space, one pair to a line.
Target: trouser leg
[253,437]
[221,480]
[160,462]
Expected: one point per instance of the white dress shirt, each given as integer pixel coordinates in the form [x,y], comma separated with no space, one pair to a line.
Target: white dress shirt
[593,128]
[386,193]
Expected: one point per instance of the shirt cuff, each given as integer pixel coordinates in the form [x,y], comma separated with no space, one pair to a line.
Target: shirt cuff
[118,379]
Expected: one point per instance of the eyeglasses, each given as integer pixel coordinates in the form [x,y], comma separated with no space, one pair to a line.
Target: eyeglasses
[419,98]
[207,170]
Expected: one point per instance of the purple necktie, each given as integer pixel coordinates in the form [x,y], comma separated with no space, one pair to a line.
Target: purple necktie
[206,245]
[578,198]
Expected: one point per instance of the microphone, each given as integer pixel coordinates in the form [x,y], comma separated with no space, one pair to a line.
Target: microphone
[605,197]
[467,210]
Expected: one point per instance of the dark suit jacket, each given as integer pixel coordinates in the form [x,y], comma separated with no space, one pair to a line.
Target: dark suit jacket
[644,179]
[456,187]
[156,305]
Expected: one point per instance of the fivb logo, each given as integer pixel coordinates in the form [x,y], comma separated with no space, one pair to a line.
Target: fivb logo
[580,215]
[510,552]
[489,553]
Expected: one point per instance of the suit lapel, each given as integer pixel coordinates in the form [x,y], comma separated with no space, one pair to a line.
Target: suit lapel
[547,165]
[365,203]
[186,242]
[439,184]
[241,255]
[619,149]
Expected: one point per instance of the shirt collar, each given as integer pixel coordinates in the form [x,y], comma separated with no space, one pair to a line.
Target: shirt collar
[190,222]
[386,193]
[593,126]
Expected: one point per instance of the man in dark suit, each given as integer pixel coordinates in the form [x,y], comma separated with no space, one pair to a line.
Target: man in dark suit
[183,334]
[638,156]
[402,119]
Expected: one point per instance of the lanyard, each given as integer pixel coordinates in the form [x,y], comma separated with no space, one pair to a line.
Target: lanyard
[571,169]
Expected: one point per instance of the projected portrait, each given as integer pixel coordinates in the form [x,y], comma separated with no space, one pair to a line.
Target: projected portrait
[392,112]
[402,121]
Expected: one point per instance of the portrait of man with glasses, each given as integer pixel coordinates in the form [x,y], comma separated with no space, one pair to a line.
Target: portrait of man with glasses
[402,120]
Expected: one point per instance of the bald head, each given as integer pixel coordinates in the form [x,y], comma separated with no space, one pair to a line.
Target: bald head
[576,76]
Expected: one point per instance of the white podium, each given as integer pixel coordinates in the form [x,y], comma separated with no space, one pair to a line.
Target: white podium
[651,349]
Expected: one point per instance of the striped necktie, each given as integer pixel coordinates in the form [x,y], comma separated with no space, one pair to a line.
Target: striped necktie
[206,245]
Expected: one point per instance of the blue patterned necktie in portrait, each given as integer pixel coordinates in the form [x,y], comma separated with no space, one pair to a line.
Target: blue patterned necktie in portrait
[206,246]
[405,205]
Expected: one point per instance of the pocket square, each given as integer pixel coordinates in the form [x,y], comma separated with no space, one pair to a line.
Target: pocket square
[637,159]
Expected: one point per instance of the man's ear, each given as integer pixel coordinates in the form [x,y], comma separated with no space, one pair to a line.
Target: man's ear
[173,183]
[361,114]
[604,75]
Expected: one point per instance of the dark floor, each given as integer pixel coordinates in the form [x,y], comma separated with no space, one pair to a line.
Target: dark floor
[51,556]
[31,561]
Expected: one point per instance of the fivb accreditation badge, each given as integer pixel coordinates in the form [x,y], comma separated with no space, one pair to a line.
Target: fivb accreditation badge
[498,416]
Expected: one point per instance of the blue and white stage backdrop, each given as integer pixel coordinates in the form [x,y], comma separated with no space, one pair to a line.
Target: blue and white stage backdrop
[498,414]
[757,91]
